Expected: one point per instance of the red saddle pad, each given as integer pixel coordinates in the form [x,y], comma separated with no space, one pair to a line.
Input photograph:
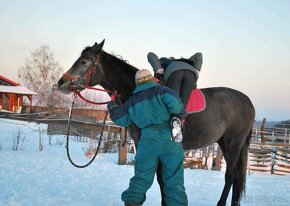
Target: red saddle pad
[196,102]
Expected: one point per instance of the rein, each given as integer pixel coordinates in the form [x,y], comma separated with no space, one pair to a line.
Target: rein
[77,92]
[67,138]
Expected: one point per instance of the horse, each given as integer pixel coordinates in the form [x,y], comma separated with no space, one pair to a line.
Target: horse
[227,119]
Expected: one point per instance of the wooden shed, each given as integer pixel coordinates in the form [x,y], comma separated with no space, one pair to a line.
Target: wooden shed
[11,95]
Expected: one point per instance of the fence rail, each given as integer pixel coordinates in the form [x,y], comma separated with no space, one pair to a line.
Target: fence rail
[269,160]
[269,148]
[271,135]
[269,153]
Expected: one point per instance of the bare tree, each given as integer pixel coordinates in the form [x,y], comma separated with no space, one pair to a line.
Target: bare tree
[39,74]
[16,140]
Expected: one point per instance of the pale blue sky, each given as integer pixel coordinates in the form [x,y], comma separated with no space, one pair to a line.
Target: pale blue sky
[245,44]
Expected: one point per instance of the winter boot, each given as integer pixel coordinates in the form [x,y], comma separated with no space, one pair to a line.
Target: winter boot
[132,204]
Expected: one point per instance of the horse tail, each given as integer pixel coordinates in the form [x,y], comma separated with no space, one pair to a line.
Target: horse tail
[241,169]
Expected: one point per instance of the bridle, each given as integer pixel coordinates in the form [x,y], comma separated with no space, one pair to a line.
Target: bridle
[77,92]
[88,72]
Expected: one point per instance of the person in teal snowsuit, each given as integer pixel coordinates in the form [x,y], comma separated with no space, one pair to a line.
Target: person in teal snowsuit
[151,108]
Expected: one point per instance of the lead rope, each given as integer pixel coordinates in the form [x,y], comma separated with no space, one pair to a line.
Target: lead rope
[67,137]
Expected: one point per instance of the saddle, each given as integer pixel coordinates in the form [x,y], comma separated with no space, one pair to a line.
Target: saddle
[196,102]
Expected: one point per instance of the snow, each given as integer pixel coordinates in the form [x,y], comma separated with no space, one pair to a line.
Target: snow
[29,177]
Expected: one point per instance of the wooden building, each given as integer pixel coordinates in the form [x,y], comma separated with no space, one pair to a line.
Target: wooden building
[12,94]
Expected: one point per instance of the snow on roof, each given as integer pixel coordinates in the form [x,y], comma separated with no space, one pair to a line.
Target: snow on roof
[8,80]
[15,90]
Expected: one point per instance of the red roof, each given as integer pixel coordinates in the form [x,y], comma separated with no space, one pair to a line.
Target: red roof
[9,81]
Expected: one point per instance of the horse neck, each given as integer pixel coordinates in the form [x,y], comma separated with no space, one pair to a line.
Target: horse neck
[118,75]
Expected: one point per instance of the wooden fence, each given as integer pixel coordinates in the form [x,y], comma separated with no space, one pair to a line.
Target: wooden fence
[281,163]
[209,158]
[115,138]
[269,152]
[269,148]
[269,160]
[277,136]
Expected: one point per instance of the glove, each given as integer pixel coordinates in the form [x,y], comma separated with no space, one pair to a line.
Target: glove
[113,96]
[116,98]
[111,105]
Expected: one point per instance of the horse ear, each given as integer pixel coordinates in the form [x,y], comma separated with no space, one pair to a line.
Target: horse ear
[102,43]
[98,47]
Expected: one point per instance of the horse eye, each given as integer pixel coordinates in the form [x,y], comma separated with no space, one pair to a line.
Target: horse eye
[83,62]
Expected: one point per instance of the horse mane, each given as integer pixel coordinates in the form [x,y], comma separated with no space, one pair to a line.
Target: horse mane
[86,49]
[118,58]
[119,74]
[123,64]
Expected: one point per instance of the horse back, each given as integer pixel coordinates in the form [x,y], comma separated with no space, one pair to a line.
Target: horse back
[227,112]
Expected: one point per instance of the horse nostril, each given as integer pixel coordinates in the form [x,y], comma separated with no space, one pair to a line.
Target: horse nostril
[60,82]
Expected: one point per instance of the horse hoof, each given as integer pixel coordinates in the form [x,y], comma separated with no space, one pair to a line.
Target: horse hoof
[221,204]
[235,204]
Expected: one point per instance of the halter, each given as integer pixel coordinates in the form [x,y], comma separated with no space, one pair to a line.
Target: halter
[77,92]
[78,87]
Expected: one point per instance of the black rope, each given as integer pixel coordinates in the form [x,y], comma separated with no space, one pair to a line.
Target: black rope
[67,138]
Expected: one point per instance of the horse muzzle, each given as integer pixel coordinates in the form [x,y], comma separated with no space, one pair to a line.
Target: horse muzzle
[65,86]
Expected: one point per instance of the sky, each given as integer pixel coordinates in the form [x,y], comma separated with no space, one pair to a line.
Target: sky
[245,43]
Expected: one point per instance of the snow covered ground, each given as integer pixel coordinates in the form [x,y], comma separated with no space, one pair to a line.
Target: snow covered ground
[29,177]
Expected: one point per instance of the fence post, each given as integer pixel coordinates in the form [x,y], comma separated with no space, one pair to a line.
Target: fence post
[256,135]
[122,148]
[218,159]
[289,138]
[273,157]
[41,145]
[263,131]
[285,137]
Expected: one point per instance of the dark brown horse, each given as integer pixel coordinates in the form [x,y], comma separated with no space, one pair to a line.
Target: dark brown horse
[227,119]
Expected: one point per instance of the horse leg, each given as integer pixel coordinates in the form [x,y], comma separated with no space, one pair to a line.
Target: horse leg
[231,156]
[235,194]
[229,178]
[161,184]
[239,183]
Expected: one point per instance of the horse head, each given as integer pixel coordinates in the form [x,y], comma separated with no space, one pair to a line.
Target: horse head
[86,70]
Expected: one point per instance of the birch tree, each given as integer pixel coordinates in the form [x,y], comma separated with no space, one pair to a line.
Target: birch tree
[39,74]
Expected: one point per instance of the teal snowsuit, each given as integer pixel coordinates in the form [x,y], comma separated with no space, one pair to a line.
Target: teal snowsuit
[151,108]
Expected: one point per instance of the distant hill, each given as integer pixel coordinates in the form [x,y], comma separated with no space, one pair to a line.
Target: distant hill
[270,124]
